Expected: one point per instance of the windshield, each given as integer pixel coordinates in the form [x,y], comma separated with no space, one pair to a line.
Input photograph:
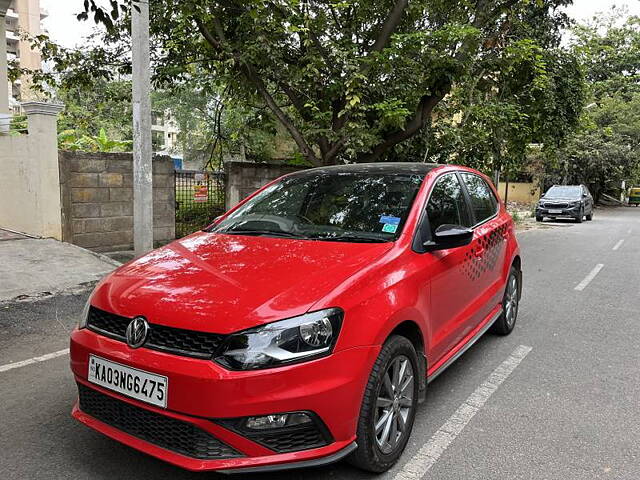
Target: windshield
[564,192]
[333,206]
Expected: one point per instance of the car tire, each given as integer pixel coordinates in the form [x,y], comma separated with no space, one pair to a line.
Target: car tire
[590,216]
[538,218]
[580,217]
[510,303]
[373,453]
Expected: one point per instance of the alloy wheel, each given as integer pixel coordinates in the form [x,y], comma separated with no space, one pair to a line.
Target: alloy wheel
[511,301]
[394,404]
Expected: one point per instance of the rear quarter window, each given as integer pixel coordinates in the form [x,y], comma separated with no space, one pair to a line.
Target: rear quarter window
[484,203]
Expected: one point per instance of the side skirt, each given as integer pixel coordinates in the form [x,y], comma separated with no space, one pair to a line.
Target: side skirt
[466,346]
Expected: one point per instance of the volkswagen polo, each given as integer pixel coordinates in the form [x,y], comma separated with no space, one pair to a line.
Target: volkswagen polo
[304,325]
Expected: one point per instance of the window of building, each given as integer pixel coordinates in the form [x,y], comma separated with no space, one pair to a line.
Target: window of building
[157,118]
[157,140]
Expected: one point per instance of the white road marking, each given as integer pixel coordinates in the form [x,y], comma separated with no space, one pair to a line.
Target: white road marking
[618,245]
[587,280]
[428,455]
[31,361]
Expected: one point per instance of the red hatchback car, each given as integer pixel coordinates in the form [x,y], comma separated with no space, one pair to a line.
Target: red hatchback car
[304,325]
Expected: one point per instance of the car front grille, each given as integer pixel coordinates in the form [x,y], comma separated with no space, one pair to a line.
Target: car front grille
[556,205]
[166,432]
[167,339]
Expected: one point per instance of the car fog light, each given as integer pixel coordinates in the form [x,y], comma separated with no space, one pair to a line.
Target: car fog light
[279,420]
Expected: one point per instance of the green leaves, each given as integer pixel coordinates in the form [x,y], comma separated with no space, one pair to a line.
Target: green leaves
[354,80]
[604,149]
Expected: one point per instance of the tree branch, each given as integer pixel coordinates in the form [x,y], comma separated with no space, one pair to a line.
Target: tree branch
[297,136]
[389,26]
[419,120]
[249,72]
[208,36]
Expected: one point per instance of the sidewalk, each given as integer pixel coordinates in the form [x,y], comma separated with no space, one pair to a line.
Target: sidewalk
[31,267]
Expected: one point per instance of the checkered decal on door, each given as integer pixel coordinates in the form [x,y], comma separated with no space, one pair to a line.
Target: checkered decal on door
[474,266]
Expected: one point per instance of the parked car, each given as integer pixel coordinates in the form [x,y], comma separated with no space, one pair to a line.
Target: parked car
[565,201]
[304,325]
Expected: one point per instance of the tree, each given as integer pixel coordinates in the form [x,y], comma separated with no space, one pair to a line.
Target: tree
[349,80]
[605,149]
[609,49]
[210,125]
[72,140]
[98,105]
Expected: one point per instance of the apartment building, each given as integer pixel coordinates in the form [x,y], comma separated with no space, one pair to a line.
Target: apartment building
[164,134]
[23,16]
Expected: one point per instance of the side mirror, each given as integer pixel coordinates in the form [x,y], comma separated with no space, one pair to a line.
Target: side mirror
[449,236]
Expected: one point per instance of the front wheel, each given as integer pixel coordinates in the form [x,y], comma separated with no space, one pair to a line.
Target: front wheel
[388,407]
[580,216]
[590,216]
[510,303]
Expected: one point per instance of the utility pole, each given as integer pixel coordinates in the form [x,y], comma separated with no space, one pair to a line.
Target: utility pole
[142,156]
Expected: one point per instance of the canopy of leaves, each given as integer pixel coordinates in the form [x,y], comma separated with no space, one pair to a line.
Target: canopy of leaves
[605,150]
[609,49]
[355,80]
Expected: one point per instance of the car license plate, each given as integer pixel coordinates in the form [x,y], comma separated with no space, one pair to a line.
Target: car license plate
[134,383]
[555,211]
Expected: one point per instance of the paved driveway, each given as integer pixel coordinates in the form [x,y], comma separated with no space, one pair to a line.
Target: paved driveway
[35,267]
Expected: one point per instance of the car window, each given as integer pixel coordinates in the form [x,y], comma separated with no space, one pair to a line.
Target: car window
[563,191]
[447,204]
[483,202]
[325,206]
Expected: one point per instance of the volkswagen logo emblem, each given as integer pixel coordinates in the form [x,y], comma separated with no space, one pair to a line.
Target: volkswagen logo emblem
[137,332]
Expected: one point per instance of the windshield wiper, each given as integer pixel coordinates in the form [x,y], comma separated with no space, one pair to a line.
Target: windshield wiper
[353,238]
[273,233]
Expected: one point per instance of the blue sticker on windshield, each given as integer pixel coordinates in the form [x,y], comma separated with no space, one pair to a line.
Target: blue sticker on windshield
[388,228]
[389,220]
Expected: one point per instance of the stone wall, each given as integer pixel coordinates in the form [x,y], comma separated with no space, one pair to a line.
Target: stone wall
[97,200]
[244,178]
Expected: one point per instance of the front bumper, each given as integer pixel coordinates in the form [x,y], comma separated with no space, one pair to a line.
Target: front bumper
[201,394]
[572,211]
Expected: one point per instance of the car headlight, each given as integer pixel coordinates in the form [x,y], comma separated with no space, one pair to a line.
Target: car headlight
[294,340]
[82,321]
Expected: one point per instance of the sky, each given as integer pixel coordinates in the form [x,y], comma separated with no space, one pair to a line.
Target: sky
[69,32]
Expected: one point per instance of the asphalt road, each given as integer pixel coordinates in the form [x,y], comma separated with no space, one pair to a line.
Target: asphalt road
[570,409]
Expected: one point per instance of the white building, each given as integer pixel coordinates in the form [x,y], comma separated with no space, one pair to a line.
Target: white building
[23,17]
[164,134]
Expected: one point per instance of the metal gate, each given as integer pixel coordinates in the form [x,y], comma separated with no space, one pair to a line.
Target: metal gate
[200,198]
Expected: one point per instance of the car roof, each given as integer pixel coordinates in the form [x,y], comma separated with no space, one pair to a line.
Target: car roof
[374,168]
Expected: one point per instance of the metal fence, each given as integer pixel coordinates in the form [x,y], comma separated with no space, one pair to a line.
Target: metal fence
[199,199]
